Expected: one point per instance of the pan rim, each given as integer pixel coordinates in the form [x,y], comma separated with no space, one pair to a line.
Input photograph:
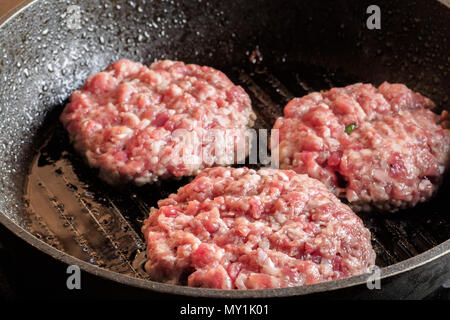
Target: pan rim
[386,272]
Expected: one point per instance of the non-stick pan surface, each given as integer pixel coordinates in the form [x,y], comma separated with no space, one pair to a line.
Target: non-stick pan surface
[275,49]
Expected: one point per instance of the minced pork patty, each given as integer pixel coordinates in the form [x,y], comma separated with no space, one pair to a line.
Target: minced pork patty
[237,228]
[373,147]
[130,121]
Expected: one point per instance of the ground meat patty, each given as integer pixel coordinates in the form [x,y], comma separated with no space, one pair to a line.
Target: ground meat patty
[131,121]
[377,148]
[245,229]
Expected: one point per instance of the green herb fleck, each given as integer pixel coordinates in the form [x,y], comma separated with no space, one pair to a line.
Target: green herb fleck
[350,128]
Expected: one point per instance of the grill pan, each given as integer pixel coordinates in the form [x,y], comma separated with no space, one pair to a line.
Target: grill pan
[275,50]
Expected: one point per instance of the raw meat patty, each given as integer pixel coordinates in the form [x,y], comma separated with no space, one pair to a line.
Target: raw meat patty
[376,148]
[132,121]
[245,229]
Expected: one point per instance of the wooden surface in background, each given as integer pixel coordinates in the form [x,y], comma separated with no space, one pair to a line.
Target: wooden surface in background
[6,5]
